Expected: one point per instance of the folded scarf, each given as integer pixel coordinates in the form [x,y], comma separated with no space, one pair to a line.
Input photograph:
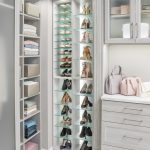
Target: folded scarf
[31,46]
[28,26]
[31,43]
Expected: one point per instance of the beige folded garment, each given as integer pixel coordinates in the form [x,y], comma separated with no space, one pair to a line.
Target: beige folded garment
[32,9]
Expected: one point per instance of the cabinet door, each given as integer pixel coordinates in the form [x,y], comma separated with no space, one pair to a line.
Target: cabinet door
[119,21]
[143,21]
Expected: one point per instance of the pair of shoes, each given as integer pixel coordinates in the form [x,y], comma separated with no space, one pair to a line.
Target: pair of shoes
[86,24]
[66,73]
[86,9]
[66,45]
[86,118]
[86,53]
[86,71]
[65,52]
[66,65]
[66,39]
[67,84]
[67,121]
[87,89]
[66,98]
[65,131]
[86,103]
[65,59]
[87,37]
[85,147]
[86,131]
[66,110]
[66,144]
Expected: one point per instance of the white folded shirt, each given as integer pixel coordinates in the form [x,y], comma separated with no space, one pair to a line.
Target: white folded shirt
[28,26]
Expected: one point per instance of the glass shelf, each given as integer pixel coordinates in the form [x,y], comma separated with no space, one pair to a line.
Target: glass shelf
[64,137]
[63,41]
[82,15]
[81,94]
[68,91]
[62,68]
[120,16]
[64,55]
[60,115]
[64,15]
[88,139]
[63,28]
[63,22]
[63,48]
[82,30]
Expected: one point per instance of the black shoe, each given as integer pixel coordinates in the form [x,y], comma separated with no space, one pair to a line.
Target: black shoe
[90,104]
[63,132]
[84,145]
[64,73]
[64,86]
[89,118]
[68,131]
[84,118]
[64,110]
[83,132]
[68,144]
[69,84]
[88,148]
[88,131]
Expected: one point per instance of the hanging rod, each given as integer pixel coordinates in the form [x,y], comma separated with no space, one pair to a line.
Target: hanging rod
[6,5]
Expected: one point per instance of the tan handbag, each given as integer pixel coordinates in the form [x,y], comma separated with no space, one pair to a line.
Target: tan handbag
[130,86]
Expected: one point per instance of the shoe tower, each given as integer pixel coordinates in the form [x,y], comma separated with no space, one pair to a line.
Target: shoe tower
[73,52]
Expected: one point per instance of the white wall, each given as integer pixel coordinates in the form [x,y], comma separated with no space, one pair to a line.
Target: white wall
[7,101]
[135,59]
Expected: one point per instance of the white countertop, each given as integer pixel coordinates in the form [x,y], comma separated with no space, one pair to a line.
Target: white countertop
[129,99]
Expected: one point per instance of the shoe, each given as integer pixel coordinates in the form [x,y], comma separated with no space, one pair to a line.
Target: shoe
[64,86]
[84,145]
[89,89]
[89,70]
[86,53]
[69,84]
[63,132]
[68,144]
[84,89]
[64,110]
[69,73]
[64,99]
[85,102]
[84,118]
[89,118]
[64,73]
[88,148]
[63,145]
[83,132]
[68,131]
[88,131]
[84,73]
[90,104]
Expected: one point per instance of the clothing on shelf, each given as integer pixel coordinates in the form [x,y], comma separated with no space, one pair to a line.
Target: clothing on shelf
[30,107]
[30,30]
[31,48]
[31,146]
[30,128]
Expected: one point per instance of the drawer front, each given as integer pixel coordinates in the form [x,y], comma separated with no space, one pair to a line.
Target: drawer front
[127,108]
[125,136]
[128,119]
[104,147]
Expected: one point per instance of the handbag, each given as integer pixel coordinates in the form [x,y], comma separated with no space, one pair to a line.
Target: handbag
[130,86]
[112,83]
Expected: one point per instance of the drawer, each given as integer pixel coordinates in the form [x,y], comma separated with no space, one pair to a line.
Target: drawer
[127,108]
[104,147]
[128,119]
[125,136]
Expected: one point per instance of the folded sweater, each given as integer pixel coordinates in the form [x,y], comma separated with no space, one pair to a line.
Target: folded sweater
[28,26]
[31,43]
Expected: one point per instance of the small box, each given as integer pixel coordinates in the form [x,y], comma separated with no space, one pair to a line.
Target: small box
[31,89]
[31,146]
[31,70]
[124,9]
[115,10]
[32,9]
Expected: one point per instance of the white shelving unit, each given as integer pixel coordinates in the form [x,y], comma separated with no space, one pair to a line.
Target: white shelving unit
[22,96]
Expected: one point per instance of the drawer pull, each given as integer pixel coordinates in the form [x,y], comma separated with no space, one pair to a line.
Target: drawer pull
[132,109]
[138,121]
[132,138]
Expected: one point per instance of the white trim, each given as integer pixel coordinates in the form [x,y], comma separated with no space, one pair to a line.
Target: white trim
[6,5]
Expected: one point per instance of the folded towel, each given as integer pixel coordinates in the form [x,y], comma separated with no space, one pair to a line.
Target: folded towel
[28,26]
[31,49]
[30,123]
[31,53]
[29,104]
[29,112]
[28,107]
[31,46]
[31,43]
[30,83]
[30,33]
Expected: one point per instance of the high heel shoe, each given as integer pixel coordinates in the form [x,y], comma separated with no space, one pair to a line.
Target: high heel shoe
[89,89]
[88,131]
[84,74]
[89,118]
[89,70]
[84,145]
[84,88]
[86,53]
[90,104]
[85,102]
[64,98]
[84,118]
[83,132]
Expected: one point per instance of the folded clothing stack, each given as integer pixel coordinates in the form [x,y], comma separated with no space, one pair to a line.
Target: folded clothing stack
[30,128]
[30,30]
[146,9]
[32,9]
[31,48]
[30,107]
[31,146]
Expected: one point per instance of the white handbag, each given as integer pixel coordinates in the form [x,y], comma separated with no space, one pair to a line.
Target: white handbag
[144,89]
